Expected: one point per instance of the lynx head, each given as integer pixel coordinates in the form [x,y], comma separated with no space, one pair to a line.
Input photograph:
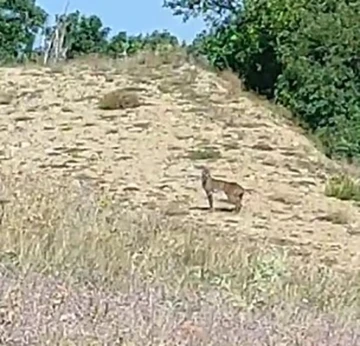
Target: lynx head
[205,174]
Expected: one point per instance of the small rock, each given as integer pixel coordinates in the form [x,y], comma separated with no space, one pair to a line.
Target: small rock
[262,146]
[232,219]
[131,187]
[108,116]
[305,181]
[112,131]
[183,135]
[75,150]
[142,124]
[4,200]
[123,158]
[174,147]
[5,99]
[23,118]
[52,152]
[59,165]
[49,127]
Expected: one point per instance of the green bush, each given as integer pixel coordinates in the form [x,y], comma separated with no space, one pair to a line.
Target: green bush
[343,187]
[304,54]
[320,81]
[248,40]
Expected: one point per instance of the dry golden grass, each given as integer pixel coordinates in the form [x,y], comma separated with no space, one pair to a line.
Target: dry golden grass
[51,226]
[61,230]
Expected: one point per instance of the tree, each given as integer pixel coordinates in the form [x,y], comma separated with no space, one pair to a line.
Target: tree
[123,45]
[83,35]
[304,54]
[215,12]
[20,22]
[157,38]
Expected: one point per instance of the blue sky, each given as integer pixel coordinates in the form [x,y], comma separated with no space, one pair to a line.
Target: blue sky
[132,16]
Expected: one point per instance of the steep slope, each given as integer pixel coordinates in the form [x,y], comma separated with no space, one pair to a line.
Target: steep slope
[149,156]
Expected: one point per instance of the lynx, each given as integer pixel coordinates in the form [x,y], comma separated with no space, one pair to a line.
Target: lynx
[233,190]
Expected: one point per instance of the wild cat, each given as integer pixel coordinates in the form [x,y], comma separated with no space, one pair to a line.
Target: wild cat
[233,190]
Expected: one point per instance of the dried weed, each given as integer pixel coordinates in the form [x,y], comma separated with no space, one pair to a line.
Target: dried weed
[119,99]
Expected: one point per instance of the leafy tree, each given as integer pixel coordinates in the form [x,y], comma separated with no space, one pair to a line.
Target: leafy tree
[243,36]
[122,44]
[214,11]
[20,22]
[83,35]
[303,53]
[321,76]
[118,45]
[157,38]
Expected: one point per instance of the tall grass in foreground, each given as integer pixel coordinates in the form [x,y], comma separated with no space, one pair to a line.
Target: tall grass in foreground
[56,227]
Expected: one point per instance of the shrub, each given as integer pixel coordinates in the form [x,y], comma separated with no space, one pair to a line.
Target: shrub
[343,187]
[320,81]
[119,99]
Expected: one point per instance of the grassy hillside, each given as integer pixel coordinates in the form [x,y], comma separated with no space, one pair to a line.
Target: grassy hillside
[105,233]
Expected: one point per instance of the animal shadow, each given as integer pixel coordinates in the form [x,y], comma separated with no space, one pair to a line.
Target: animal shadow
[219,209]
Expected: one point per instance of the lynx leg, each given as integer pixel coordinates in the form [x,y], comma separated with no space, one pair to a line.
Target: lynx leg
[238,204]
[236,199]
[210,199]
[238,207]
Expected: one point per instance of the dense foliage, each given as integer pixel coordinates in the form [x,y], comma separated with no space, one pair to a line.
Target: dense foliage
[20,22]
[304,54]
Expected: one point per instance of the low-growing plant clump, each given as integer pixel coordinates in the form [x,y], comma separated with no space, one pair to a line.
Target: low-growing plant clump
[343,187]
[119,99]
